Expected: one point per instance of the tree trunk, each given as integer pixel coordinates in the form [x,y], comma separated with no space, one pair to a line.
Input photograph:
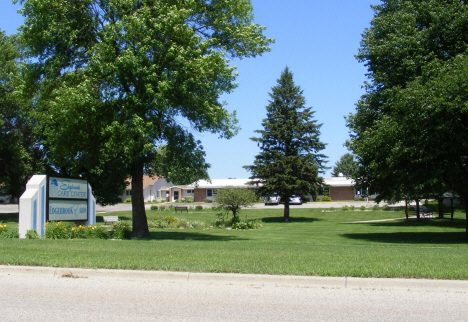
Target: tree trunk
[466,219]
[140,223]
[441,208]
[417,209]
[286,210]
[406,208]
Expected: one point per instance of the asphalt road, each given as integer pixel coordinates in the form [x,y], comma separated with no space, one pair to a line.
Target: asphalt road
[51,294]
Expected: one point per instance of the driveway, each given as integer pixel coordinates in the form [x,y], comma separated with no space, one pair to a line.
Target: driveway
[128,206]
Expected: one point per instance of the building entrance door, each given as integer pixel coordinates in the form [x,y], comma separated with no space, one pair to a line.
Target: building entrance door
[176,195]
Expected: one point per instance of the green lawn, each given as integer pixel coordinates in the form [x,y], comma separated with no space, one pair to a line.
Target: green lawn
[314,243]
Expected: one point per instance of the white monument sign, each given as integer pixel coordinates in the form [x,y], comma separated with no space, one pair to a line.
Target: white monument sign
[55,199]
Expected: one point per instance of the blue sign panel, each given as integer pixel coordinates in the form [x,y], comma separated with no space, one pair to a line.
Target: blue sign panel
[68,210]
[68,188]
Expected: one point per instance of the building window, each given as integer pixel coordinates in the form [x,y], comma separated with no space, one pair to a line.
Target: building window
[157,194]
[211,192]
[128,192]
[190,191]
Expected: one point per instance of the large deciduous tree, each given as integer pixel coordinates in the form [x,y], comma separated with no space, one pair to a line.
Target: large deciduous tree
[20,156]
[290,160]
[116,79]
[409,130]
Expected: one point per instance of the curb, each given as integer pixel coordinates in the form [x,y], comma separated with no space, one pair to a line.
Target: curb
[352,283]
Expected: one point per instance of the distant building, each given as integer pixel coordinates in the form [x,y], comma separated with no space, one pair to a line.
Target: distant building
[202,189]
[340,188]
[158,188]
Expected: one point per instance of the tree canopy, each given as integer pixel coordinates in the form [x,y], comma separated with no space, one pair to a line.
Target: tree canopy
[115,80]
[290,160]
[234,199]
[409,130]
[20,157]
[346,165]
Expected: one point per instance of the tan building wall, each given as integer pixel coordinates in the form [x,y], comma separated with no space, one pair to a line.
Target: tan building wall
[341,193]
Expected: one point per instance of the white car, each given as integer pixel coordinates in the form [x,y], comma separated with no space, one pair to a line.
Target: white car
[272,200]
[295,200]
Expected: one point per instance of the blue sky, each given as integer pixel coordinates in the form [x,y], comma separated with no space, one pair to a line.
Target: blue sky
[317,40]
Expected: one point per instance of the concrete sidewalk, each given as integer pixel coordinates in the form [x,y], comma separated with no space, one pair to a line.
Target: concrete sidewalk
[459,286]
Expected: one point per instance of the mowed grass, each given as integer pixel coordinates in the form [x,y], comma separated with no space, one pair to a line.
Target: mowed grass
[315,242]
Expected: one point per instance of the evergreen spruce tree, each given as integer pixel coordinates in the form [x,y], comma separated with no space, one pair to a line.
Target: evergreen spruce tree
[290,160]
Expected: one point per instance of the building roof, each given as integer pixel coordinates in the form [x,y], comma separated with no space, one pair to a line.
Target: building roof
[147,180]
[338,182]
[222,183]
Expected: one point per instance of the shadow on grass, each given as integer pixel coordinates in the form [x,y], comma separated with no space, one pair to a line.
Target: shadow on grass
[182,235]
[291,219]
[423,222]
[9,217]
[411,237]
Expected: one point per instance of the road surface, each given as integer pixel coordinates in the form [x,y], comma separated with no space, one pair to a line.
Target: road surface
[51,294]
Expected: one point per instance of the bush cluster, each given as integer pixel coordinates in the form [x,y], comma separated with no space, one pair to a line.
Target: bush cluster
[325,198]
[174,222]
[249,224]
[189,199]
[68,230]
[8,233]
[162,208]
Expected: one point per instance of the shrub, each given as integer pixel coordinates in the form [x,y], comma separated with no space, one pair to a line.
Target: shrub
[189,199]
[154,207]
[325,198]
[174,222]
[356,198]
[386,207]
[98,232]
[344,208]
[376,207]
[128,200]
[59,230]
[8,233]
[199,208]
[305,199]
[68,230]
[208,200]
[32,234]
[122,229]
[157,223]
[352,208]
[249,224]
[362,208]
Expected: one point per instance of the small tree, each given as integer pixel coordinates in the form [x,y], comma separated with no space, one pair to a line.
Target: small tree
[234,199]
[289,161]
